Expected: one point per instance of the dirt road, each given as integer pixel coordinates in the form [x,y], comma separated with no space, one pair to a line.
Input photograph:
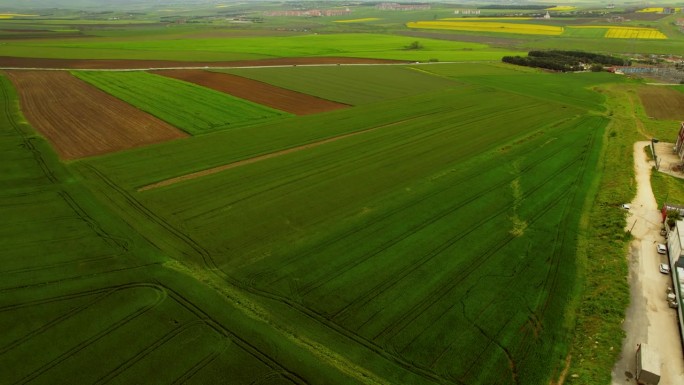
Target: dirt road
[648,317]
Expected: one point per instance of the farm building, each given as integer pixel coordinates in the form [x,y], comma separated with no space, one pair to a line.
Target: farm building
[467,12]
[675,243]
[679,146]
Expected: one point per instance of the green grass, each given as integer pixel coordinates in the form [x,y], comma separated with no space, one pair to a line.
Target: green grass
[353,85]
[192,108]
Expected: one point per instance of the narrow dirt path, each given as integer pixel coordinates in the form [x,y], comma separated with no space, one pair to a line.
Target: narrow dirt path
[648,317]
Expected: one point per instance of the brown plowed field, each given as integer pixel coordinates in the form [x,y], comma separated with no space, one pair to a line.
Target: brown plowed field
[22,62]
[662,102]
[80,120]
[256,91]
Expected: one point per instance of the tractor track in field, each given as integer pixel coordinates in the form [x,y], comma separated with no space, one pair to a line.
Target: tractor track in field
[318,317]
[239,341]
[344,367]
[141,354]
[259,158]
[91,340]
[59,264]
[572,193]
[379,219]
[383,286]
[115,242]
[100,294]
[328,168]
[27,140]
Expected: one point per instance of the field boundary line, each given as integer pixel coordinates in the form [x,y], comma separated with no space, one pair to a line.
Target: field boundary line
[258,158]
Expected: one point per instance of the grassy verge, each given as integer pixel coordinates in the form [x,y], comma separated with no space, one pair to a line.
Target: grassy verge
[667,188]
[603,244]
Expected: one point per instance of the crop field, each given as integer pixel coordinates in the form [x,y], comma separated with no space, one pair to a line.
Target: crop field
[616,32]
[79,290]
[656,10]
[634,33]
[349,85]
[250,48]
[563,88]
[498,27]
[258,92]
[326,216]
[79,120]
[193,109]
[662,103]
[337,230]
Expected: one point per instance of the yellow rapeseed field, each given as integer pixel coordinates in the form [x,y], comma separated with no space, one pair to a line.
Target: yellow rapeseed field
[13,15]
[614,32]
[357,20]
[530,29]
[485,18]
[634,33]
[561,8]
[656,10]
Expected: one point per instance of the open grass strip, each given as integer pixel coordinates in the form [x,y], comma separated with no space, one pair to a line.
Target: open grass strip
[194,109]
[476,26]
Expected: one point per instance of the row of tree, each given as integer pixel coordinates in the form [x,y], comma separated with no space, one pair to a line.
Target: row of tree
[566,61]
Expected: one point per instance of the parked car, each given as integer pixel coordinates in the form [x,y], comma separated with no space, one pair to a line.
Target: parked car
[625,206]
[665,268]
[662,249]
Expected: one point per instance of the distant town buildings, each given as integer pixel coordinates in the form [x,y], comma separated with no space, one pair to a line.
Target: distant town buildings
[467,12]
[310,12]
[402,7]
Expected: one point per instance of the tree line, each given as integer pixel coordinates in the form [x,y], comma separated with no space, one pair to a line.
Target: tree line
[566,61]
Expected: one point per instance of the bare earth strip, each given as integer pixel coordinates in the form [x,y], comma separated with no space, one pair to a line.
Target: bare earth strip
[80,120]
[662,102]
[259,158]
[258,92]
[21,62]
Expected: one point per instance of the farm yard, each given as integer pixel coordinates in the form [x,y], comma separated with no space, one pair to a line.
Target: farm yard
[334,200]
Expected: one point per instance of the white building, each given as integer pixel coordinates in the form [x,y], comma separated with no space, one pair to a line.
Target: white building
[675,249]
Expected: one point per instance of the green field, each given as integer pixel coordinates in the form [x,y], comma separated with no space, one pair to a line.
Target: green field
[193,109]
[351,85]
[393,215]
[247,48]
[456,224]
